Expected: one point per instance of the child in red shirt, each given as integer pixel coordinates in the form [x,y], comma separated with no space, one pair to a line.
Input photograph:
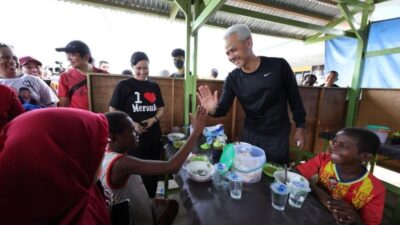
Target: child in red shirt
[345,186]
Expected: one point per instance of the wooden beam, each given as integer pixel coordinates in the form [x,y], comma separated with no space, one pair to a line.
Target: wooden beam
[351,20]
[319,39]
[387,51]
[281,9]
[332,24]
[174,11]
[355,90]
[357,4]
[285,21]
[182,5]
[211,8]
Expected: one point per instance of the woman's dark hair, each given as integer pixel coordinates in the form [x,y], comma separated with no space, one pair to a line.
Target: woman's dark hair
[367,141]
[116,122]
[137,57]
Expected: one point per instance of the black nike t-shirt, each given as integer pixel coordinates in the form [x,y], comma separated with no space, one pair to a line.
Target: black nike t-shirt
[264,95]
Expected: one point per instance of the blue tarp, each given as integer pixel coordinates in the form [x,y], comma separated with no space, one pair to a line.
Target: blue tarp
[379,71]
[339,55]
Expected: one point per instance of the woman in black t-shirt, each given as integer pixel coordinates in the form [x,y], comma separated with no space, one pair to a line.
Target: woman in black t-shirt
[141,99]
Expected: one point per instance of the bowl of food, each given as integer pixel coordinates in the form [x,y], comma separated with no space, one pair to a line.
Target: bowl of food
[175,137]
[248,162]
[200,171]
[178,143]
[270,168]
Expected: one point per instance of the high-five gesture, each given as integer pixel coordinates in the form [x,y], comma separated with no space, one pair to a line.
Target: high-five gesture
[207,99]
[198,121]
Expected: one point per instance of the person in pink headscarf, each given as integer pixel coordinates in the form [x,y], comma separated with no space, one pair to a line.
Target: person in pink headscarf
[49,160]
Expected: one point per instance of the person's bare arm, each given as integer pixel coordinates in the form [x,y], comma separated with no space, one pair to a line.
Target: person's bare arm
[128,165]
[64,102]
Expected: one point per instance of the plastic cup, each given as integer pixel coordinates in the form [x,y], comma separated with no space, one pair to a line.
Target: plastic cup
[279,194]
[235,186]
[298,193]
[219,178]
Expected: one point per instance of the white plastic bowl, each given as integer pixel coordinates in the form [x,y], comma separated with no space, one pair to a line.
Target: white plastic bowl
[280,177]
[192,169]
[175,136]
[248,162]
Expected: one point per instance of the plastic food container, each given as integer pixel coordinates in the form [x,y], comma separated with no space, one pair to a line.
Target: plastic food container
[381,131]
[248,162]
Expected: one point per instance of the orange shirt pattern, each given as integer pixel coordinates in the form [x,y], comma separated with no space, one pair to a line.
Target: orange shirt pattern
[366,194]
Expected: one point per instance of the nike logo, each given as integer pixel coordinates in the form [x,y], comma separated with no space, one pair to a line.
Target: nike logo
[267,74]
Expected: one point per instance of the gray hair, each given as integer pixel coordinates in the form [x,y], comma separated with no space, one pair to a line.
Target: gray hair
[242,30]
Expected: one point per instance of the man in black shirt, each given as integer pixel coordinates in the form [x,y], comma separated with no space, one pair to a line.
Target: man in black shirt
[263,87]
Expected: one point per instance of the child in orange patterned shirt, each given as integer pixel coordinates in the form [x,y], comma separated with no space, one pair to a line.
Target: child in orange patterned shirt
[345,186]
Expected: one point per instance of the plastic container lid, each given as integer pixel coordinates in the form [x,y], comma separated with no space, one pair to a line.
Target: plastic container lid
[221,167]
[234,177]
[378,127]
[248,157]
[279,188]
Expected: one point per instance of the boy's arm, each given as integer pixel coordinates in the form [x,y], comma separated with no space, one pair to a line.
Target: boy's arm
[131,165]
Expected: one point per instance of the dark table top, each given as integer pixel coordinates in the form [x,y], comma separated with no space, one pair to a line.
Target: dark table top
[207,205]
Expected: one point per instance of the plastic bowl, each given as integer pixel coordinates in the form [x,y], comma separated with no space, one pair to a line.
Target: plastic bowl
[280,177]
[175,136]
[194,167]
[270,168]
[248,162]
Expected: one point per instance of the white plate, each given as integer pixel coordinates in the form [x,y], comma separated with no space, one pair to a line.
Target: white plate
[194,166]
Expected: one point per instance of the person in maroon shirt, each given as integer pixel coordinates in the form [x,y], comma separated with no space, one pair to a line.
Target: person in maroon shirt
[73,90]
[10,106]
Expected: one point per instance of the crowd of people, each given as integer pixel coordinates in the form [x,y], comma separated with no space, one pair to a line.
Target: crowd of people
[77,165]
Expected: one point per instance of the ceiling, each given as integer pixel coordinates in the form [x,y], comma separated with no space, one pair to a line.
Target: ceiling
[295,19]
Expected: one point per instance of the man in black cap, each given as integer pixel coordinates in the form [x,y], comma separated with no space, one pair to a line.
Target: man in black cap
[73,91]
[178,55]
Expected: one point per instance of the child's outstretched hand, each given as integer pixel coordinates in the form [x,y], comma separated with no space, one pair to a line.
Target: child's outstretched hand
[199,120]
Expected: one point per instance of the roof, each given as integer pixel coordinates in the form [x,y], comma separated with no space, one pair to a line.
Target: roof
[297,19]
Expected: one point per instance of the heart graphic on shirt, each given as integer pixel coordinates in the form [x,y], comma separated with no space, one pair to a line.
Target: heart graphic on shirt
[150,96]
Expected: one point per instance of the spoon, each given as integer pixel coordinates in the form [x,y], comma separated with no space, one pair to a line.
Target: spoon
[285,181]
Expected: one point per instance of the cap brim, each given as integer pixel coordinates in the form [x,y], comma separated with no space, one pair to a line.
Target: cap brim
[61,49]
[32,60]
